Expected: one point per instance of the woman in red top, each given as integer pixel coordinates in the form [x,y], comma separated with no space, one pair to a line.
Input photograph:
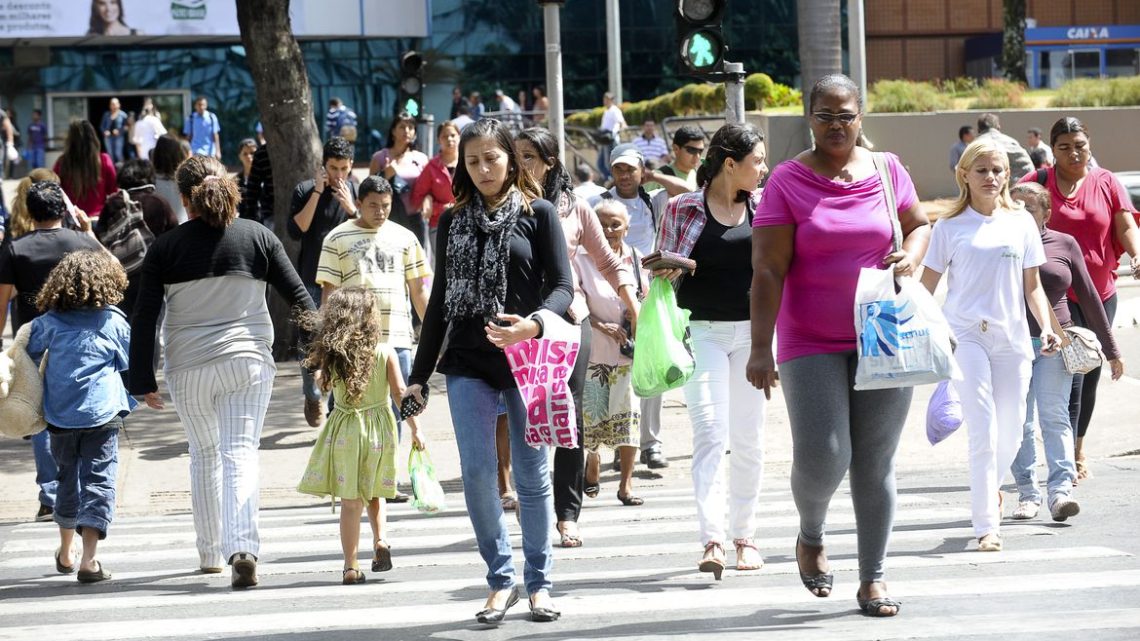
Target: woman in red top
[432,191]
[86,174]
[1092,206]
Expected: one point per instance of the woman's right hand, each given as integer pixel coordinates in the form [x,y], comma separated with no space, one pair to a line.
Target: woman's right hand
[670,274]
[1117,366]
[761,371]
[416,391]
[153,401]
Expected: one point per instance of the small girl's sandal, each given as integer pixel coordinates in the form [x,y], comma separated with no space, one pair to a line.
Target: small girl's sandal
[382,558]
[352,576]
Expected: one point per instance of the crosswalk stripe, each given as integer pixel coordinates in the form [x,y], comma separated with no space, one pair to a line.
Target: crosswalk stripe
[669,605]
[565,582]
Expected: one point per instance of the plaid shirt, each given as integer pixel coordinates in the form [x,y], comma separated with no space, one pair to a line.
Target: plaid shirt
[684,220]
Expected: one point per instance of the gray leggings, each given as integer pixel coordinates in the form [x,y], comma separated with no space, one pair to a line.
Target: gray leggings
[835,428]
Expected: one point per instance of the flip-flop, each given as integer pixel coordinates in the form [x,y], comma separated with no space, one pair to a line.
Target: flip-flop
[509,502]
[382,557]
[358,576]
[100,574]
[570,540]
[873,607]
[60,567]
[630,500]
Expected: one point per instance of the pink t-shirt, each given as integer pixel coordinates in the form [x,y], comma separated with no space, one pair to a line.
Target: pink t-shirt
[1089,217]
[840,228]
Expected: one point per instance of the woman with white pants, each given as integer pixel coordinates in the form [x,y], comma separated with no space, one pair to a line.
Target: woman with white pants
[992,249]
[712,226]
[211,273]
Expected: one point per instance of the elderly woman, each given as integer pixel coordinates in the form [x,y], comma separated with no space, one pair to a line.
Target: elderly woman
[211,272]
[1091,205]
[822,219]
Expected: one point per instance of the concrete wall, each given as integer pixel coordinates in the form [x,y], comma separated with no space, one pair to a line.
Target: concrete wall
[923,141]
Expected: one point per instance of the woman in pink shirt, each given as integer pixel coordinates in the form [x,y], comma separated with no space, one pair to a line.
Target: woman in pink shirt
[86,174]
[821,219]
[1092,206]
[432,191]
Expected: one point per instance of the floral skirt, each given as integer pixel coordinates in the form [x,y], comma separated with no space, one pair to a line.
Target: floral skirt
[610,411]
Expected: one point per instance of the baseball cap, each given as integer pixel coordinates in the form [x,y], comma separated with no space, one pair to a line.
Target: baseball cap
[628,154]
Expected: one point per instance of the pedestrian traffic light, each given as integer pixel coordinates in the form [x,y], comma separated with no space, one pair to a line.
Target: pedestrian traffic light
[700,40]
[411,84]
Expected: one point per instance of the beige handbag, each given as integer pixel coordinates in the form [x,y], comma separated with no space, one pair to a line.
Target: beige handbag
[1083,353]
[21,389]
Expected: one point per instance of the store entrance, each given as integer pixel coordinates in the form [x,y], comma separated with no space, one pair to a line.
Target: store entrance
[63,108]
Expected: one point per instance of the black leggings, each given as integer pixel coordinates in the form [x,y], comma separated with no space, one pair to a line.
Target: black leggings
[1083,399]
[569,464]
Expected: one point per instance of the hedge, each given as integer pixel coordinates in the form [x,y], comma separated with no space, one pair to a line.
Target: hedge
[1113,92]
[701,98]
[996,93]
[902,96]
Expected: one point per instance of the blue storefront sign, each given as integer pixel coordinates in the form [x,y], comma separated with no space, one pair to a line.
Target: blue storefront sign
[1059,54]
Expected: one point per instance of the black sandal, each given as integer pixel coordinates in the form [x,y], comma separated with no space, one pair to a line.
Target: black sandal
[874,607]
[495,615]
[592,489]
[630,500]
[815,583]
[382,557]
[358,577]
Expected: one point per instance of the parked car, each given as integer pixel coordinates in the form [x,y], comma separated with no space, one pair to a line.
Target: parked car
[1131,180]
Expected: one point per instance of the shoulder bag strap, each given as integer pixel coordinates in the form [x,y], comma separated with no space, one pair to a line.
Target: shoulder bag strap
[892,206]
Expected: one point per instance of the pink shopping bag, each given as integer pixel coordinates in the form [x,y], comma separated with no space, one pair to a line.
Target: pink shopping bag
[542,367]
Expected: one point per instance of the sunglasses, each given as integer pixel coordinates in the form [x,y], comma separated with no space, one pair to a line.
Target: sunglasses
[828,118]
[696,151]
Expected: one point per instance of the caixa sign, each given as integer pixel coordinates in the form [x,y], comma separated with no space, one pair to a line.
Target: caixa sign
[1087,33]
[1103,34]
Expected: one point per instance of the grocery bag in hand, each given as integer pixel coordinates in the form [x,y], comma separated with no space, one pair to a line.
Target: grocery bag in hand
[663,359]
[541,368]
[902,337]
[427,493]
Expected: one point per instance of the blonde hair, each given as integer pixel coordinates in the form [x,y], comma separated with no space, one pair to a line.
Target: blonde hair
[346,332]
[973,152]
[21,222]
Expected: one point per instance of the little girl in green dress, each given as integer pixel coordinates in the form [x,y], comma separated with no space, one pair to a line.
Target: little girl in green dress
[355,454]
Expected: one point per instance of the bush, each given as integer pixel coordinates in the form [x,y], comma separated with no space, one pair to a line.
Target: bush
[997,93]
[697,98]
[960,87]
[1114,92]
[900,96]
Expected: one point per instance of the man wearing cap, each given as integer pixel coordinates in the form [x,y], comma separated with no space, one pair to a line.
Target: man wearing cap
[628,168]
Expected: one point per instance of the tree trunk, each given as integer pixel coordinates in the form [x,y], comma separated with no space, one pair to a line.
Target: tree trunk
[286,105]
[821,48]
[1013,40]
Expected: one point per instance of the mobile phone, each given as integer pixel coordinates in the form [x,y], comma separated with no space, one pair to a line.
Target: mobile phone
[71,221]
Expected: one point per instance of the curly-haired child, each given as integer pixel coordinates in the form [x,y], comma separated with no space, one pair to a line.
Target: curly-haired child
[355,454]
[86,339]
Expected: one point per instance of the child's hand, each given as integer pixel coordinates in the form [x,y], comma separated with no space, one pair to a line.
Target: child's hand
[418,442]
[154,401]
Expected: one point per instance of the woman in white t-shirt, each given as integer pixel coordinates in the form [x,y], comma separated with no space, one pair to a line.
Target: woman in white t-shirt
[992,249]
[147,130]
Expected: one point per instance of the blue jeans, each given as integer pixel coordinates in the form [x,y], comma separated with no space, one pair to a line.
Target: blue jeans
[88,460]
[1049,390]
[404,356]
[114,147]
[308,385]
[35,158]
[474,406]
[46,469]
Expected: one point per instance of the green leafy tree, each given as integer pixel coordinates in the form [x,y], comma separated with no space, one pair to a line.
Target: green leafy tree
[1013,40]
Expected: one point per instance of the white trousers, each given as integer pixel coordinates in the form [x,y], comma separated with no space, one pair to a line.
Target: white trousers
[222,407]
[727,412]
[996,376]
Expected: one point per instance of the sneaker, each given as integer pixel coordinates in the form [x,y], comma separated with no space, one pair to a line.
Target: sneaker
[314,414]
[1063,507]
[244,573]
[44,514]
[1026,510]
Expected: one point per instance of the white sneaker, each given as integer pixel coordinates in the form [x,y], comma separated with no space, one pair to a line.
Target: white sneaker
[1026,510]
[1063,507]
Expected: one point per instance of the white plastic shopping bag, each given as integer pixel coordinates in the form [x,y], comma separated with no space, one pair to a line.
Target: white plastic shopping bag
[903,338]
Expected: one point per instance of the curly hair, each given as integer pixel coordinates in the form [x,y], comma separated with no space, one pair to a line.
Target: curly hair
[346,332]
[86,279]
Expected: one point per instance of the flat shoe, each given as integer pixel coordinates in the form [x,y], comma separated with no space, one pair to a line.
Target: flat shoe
[400,497]
[630,500]
[874,607]
[356,577]
[544,615]
[815,583]
[495,615]
[60,567]
[244,574]
[990,543]
[99,574]
[592,489]
[382,557]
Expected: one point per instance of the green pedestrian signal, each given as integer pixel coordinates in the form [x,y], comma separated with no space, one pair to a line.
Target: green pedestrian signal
[411,98]
[701,45]
[412,107]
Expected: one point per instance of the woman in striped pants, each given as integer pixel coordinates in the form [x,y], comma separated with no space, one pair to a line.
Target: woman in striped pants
[211,273]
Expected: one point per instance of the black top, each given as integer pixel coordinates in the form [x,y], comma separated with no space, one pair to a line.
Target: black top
[328,215]
[257,188]
[538,277]
[195,251]
[718,289]
[26,262]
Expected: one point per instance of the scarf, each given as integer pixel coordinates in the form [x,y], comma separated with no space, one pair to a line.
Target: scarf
[477,280]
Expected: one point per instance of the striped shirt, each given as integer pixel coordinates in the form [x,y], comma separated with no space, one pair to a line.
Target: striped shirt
[652,148]
[383,260]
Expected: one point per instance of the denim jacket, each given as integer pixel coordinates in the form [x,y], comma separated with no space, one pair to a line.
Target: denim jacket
[86,351]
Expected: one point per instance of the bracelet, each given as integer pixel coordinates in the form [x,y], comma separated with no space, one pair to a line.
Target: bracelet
[318,192]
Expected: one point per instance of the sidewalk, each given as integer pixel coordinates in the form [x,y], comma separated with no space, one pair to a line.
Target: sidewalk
[154,464]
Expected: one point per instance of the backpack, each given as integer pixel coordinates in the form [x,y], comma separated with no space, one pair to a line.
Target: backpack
[124,233]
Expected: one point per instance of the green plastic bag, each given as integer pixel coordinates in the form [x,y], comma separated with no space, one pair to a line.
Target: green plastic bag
[427,492]
[663,357]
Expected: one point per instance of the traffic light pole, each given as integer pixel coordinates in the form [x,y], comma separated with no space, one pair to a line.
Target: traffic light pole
[555,116]
[734,93]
